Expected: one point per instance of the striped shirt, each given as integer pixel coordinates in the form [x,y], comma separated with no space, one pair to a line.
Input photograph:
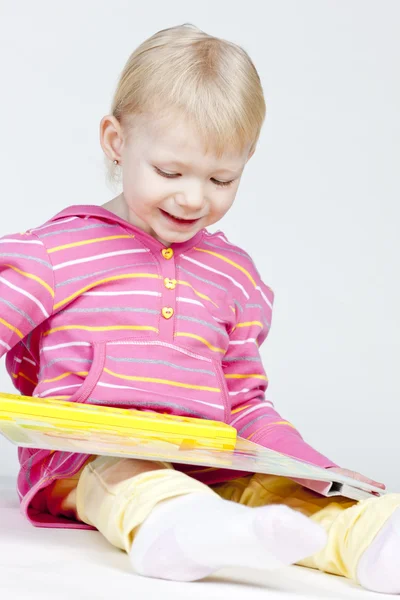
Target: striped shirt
[95,310]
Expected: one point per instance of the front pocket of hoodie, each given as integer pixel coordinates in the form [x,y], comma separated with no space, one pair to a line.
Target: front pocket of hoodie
[71,375]
[161,377]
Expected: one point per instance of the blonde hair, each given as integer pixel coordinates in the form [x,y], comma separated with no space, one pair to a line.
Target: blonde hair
[213,83]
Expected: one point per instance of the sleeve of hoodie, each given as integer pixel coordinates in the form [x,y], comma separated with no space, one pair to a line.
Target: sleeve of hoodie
[26,287]
[254,417]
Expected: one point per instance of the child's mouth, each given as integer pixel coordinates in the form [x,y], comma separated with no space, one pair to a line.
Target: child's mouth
[178,221]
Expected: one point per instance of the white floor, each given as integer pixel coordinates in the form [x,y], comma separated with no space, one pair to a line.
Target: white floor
[54,563]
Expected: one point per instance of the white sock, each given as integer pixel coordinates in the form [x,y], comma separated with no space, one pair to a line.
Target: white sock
[378,568]
[189,537]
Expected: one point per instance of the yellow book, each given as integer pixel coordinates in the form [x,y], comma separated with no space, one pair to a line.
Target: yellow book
[20,415]
[90,429]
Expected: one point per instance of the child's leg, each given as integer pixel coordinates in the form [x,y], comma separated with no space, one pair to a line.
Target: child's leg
[59,498]
[175,527]
[363,543]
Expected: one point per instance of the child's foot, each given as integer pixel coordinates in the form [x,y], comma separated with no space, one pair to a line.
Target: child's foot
[189,537]
[379,567]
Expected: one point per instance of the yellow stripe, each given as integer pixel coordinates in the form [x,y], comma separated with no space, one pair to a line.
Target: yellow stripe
[102,328]
[17,331]
[270,425]
[21,374]
[197,337]
[64,375]
[92,241]
[197,293]
[236,410]
[248,324]
[101,281]
[35,277]
[230,262]
[166,381]
[237,376]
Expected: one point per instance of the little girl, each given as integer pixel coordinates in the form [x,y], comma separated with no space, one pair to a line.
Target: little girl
[136,305]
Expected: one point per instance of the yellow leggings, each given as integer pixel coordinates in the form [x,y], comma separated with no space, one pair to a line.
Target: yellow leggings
[116,495]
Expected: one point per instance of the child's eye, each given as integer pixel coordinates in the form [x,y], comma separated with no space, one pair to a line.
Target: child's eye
[222,183]
[164,174]
[174,175]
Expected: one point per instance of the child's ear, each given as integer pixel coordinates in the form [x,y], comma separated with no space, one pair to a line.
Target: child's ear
[251,154]
[111,138]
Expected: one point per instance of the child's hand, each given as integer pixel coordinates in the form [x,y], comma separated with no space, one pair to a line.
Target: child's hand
[358,476]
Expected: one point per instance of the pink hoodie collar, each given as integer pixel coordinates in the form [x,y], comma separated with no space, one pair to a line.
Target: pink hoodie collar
[91,210]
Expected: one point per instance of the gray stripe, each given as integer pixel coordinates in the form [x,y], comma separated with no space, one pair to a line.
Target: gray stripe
[248,358]
[56,360]
[227,248]
[267,323]
[96,226]
[28,471]
[26,257]
[238,305]
[201,322]
[110,309]
[207,281]
[161,362]
[18,310]
[28,340]
[250,423]
[146,404]
[95,273]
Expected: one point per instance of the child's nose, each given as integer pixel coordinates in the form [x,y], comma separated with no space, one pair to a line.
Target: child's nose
[192,199]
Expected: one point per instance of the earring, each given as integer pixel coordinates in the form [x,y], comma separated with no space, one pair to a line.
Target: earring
[115,162]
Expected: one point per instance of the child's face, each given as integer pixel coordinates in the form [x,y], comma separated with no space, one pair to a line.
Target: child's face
[171,188]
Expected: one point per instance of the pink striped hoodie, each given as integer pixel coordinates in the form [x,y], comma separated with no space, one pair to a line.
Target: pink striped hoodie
[95,310]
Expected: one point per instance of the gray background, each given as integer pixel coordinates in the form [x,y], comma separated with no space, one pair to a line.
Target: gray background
[318,207]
